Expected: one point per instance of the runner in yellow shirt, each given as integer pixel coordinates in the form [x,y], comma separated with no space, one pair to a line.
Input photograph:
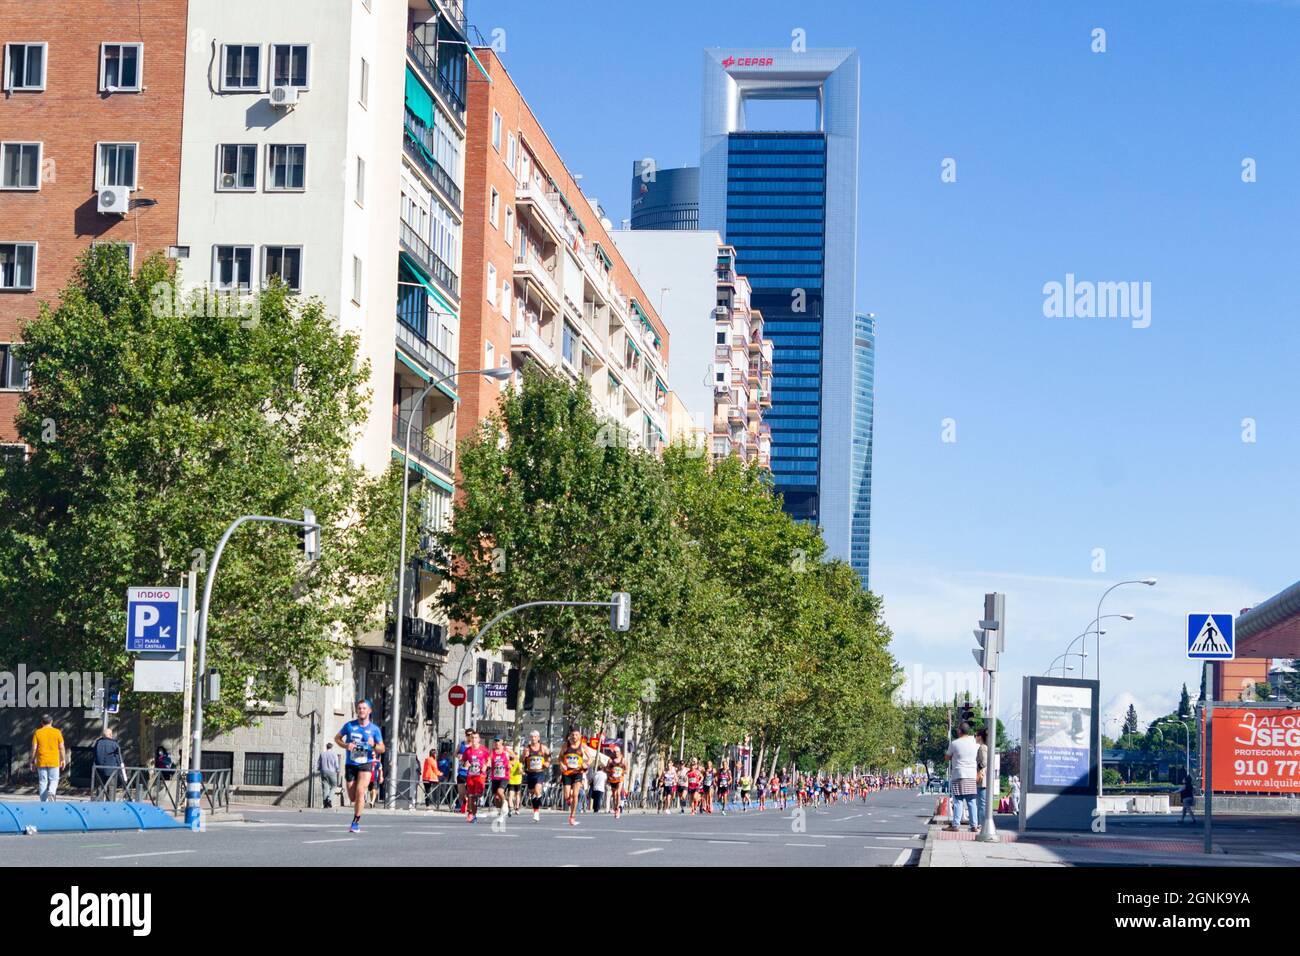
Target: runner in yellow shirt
[516,782]
[49,756]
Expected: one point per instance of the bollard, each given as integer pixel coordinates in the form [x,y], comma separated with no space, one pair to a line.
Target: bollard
[193,808]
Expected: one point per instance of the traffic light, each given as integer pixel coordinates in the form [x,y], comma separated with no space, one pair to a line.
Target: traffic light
[968,712]
[620,612]
[309,536]
[530,690]
[512,689]
[989,634]
[112,697]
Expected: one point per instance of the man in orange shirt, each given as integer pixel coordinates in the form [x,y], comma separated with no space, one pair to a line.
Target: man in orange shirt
[49,756]
[430,775]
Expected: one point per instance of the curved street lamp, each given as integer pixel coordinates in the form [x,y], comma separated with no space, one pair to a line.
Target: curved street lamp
[1083,651]
[1096,623]
[499,374]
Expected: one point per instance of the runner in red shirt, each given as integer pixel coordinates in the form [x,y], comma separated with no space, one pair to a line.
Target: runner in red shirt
[499,760]
[616,769]
[475,758]
[694,781]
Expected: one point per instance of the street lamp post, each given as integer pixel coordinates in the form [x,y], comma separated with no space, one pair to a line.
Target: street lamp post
[1064,666]
[1096,624]
[395,727]
[1083,650]
[1187,744]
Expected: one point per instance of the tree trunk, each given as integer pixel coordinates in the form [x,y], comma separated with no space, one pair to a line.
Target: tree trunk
[525,669]
[762,754]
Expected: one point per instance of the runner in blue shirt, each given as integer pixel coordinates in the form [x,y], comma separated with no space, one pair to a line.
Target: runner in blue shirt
[363,742]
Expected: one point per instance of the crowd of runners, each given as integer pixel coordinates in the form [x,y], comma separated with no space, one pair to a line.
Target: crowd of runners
[498,778]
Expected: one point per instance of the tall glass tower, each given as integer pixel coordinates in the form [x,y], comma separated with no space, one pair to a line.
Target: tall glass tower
[864,401]
[787,201]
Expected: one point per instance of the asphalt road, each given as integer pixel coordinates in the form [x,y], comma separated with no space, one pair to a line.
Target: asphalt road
[887,829]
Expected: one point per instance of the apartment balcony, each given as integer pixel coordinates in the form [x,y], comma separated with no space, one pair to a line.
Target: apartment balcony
[527,338]
[418,635]
[547,208]
[424,161]
[754,373]
[726,275]
[428,68]
[423,351]
[530,268]
[424,449]
[419,250]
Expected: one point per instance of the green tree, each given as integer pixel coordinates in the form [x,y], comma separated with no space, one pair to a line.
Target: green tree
[1184,704]
[154,423]
[1131,720]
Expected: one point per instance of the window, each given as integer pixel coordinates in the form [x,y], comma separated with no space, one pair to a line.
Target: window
[117,165]
[356,280]
[263,770]
[243,67]
[283,263]
[289,64]
[232,267]
[107,247]
[120,67]
[20,166]
[494,208]
[480,670]
[489,355]
[237,167]
[496,131]
[218,760]
[17,266]
[286,168]
[361,181]
[13,370]
[364,98]
[510,151]
[491,288]
[510,226]
[339,676]
[722,337]
[25,66]
[505,298]
[431,697]
[568,344]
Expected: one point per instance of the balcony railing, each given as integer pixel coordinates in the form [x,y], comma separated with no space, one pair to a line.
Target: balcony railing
[441,178]
[418,248]
[429,355]
[423,448]
[418,634]
[429,70]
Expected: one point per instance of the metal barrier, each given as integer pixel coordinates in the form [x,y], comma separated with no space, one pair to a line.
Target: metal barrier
[162,788]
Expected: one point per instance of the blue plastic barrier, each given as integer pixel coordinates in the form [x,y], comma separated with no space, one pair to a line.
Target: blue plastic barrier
[60,816]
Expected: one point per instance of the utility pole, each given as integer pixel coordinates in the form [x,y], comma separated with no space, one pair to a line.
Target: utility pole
[991,636]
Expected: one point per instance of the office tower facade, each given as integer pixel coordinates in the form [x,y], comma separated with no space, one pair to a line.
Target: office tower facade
[90,139]
[721,365]
[665,199]
[787,201]
[864,409]
[546,284]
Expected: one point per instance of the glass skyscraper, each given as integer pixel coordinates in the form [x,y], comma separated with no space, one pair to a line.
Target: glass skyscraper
[864,401]
[787,201]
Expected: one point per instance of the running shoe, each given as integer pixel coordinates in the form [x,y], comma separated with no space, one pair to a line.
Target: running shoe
[356,827]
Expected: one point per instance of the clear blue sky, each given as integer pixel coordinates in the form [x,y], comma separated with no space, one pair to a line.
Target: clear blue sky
[1072,434]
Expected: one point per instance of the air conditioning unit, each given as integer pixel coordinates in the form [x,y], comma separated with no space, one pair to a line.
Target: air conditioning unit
[284,97]
[228,180]
[722,312]
[113,200]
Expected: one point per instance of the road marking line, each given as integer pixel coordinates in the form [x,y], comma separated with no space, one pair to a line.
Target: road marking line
[423,832]
[651,840]
[339,840]
[902,858]
[894,838]
[131,856]
[573,836]
[649,849]
[805,844]
[745,842]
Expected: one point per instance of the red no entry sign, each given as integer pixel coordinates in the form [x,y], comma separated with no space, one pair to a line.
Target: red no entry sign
[456,696]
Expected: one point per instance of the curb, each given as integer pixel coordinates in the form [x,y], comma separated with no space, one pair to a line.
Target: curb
[927,851]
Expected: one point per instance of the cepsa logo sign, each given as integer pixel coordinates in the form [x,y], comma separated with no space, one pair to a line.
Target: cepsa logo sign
[747,61]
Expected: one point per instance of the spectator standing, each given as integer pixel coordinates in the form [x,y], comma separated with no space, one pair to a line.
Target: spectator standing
[49,756]
[599,778]
[981,777]
[430,775]
[109,766]
[962,756]
[328,767]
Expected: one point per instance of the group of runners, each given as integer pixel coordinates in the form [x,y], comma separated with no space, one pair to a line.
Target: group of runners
[692,786]
[500,776]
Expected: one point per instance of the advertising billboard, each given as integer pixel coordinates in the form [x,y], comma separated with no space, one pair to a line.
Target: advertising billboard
[1064,735]
[1256,749]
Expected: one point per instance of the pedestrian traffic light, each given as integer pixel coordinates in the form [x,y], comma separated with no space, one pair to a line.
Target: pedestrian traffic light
[309,536]
[530,690]
[620,612]
[112,697]
[512,689]
[968,713]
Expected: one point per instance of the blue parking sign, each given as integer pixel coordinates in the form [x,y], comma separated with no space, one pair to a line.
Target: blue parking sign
[153,617]
[1210,637]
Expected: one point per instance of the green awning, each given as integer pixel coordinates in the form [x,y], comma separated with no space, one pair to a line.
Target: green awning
[632,342]
[418,100]
[609,263]
[660,385]
[426,280]
[473,56]
[425,473]
[636,307]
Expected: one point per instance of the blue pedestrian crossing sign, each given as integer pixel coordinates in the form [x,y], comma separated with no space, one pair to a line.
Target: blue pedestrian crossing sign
[1210,637]
[153,617]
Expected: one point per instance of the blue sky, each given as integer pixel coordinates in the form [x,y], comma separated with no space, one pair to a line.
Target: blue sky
[1072,434]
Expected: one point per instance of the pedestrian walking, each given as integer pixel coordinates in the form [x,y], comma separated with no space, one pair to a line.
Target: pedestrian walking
[327,765]
[1188,793]
[49,756]
[962,755]
[110,769]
